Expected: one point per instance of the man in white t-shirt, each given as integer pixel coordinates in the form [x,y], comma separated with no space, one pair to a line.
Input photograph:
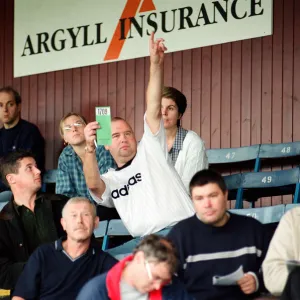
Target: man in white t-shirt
[145,188]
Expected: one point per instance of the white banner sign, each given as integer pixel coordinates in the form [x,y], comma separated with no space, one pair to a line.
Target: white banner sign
[53,35]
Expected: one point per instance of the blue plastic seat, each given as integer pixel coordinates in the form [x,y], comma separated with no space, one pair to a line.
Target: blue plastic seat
[49,177]
[124,250]
[257,184]
[266,215]
[114,228]
[2,204]
[291,206]
[5,196]
[278,151]
[233,183]
[101,230]
[234,155]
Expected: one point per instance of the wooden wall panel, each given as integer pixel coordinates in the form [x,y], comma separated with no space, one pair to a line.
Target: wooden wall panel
[240,93]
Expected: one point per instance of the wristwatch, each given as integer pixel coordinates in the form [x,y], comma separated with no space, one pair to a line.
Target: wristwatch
[88,149]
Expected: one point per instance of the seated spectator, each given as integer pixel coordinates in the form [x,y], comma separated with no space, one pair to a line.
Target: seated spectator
[215,243]
[60,269]
[70,179]
[284,246]
[145,188]
[29,219]
[16,133]
[185,147]
[147,274]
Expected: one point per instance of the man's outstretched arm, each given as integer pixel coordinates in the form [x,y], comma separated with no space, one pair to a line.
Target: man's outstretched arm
[155,85]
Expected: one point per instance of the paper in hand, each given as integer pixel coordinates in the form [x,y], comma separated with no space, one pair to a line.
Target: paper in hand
[229,279]
[103,117]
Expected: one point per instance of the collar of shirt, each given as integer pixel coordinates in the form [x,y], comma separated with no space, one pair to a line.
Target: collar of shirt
[180,136]
[126,165]
[68,150]
[91,250]
[18,208]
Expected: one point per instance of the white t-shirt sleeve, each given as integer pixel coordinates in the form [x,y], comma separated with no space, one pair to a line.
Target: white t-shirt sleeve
[106,199]
[159,137]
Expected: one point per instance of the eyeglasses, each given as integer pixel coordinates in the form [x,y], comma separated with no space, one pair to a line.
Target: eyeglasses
[147,266]
[76,124]
[161,281]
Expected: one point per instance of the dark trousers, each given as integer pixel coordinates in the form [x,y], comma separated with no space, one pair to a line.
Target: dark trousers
[292,287]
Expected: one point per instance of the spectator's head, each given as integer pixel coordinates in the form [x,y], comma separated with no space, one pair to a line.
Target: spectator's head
[173,106]
[154,263]
[19,171]
[124,146]
[10,106]
[79,219]
[71,128]
[209,194]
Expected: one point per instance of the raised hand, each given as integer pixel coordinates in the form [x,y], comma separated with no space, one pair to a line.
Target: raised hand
[90,133]
[157,50]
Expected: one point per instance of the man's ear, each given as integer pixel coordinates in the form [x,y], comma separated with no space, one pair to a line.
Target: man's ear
[63,223]
[96,222]
[11,179]
[19,107]
[139,257]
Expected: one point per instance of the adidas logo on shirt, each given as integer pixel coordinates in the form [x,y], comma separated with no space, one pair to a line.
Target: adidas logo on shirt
[124,191]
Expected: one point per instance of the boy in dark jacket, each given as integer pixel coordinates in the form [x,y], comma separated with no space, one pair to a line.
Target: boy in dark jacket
[29,219]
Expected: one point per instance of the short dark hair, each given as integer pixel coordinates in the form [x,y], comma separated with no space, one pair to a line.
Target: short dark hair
[10,90]
[159,249]
[207,176]
[10,163]
[175,95]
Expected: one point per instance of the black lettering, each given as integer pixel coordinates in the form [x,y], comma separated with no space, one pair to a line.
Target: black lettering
[138,176]
[137,26]
[164,21]
[185,18]
[62,42]
[203,15]
[234,13]
[28,46]
[42,41]
[151,23]
[254,3]
[122,29]
[85,36]
[98,34]
[74,36]
[124,191]
[221,10]
[132,181]
[115,194]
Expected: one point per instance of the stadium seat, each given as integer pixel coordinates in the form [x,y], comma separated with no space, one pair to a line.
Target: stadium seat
[278,151]
[124,250]
[5,196]
[100,231]
[2,204]
[49,177]
[291,206]
[114,228]
[233,183]
[261,184]
[234,155]
[266,215]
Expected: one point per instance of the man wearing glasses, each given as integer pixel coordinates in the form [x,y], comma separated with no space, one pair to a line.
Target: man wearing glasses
[146,274]
[70,179]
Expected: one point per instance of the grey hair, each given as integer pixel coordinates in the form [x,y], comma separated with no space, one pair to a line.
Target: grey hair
[78,200]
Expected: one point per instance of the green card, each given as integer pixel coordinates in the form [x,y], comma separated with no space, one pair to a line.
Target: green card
[103,117]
